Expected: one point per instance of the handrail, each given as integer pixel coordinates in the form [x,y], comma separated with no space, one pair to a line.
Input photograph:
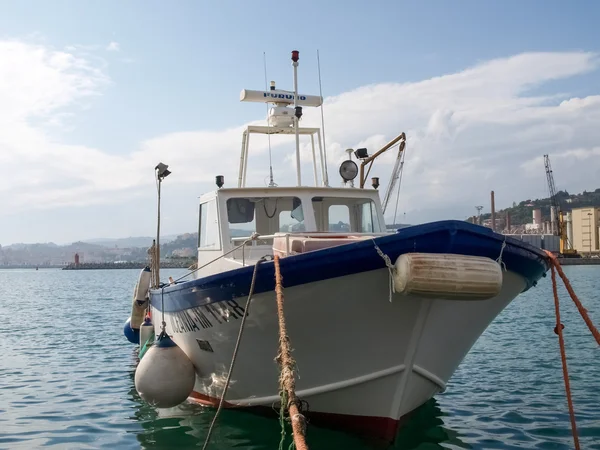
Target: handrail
[265,236]
[245,239]
[307,234]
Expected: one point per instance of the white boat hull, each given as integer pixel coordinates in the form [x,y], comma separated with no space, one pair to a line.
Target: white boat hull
[362,360]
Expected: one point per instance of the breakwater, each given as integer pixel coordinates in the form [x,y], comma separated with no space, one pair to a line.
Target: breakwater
[579,261]
[31,266]
[176,264]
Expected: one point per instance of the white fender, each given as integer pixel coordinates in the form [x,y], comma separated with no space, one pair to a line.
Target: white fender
[447,276]
[138,311]
[146,331]
[140,298]
[143,285]
[165,376]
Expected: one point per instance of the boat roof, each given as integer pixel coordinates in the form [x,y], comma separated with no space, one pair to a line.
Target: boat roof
[291,191]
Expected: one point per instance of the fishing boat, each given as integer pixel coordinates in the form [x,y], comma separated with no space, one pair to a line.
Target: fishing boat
[378,320]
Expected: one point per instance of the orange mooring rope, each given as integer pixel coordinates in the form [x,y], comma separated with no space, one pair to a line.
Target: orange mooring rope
[563,356]
[559,327]
[287,364]
[571,292]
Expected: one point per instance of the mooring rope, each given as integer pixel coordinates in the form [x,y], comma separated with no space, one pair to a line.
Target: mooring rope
[499,258]
[563,357]
[287,363]
[235,351]
[391,269]
[555,267]
[571,291]
[153,266]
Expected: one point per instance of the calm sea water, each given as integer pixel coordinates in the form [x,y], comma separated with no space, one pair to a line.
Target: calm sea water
[66,376]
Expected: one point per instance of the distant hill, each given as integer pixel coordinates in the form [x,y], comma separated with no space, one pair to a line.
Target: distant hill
[103,250]
[92,251]
[52,254]
[184,245]
[521,213]
[139,241]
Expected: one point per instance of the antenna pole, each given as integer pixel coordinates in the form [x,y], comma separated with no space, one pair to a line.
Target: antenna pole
[271,182]
[298,113]
[157,249]
[161,173]
[326,178]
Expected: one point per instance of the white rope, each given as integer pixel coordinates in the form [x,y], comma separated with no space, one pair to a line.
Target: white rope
[235,351]
[499,259]
[390,267]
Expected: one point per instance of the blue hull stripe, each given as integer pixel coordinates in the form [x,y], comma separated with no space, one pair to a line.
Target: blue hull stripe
[437,237]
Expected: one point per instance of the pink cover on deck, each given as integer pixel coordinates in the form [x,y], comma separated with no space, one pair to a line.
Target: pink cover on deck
[304,244]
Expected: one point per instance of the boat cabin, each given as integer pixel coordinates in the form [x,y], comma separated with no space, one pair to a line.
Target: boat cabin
[287,220]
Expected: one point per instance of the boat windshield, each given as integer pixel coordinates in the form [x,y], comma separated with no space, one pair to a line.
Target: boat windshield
[339,214]
[265,215]
[286,214]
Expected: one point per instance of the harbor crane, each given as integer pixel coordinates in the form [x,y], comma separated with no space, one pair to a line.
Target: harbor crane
[566,247]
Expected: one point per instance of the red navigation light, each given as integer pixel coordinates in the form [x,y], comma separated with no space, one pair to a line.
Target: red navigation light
[295,54]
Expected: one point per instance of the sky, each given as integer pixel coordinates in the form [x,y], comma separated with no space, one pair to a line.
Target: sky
[94,94]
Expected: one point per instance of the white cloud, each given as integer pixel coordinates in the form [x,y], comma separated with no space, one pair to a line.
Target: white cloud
[113,47]
[468,133]
[36,84]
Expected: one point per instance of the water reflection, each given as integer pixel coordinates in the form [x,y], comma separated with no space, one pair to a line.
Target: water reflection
[425,429]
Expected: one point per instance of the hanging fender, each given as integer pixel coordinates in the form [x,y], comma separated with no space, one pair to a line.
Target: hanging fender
[447,276]
[140,298]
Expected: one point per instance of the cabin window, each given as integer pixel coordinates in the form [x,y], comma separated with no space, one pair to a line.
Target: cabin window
[240,215]
[292,220]
[208,231]
[343,215]
[369,222]
[264,215]
[339,218]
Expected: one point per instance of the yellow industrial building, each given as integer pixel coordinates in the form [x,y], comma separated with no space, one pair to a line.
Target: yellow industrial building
[583,229]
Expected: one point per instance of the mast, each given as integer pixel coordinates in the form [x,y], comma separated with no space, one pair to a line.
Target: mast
[297,113]
[283,119]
